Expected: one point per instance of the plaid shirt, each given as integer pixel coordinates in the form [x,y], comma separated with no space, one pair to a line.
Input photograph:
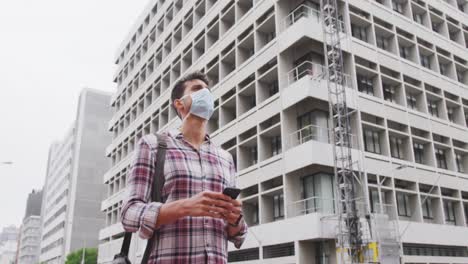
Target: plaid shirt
[187,171]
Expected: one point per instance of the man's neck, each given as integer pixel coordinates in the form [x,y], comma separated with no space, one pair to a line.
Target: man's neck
[194,130]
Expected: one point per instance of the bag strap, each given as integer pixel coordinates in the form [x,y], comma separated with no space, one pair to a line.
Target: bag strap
[158,184]
[156,196]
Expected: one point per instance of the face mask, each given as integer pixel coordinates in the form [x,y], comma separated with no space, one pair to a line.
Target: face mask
[202,103]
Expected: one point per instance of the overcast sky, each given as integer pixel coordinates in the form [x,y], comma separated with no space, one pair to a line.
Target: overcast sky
[49,50]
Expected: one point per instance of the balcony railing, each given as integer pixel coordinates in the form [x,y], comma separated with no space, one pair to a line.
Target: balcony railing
[310,205]
[305,11]
[315,133]
[306,68]
[314,71]
[302,11]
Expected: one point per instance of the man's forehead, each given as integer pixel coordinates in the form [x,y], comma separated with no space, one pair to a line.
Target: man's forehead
[192,84]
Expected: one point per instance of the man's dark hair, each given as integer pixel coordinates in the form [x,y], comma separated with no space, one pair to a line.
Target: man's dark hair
[179,86]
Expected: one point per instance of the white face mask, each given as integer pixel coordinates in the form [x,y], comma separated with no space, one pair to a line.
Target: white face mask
[202,103]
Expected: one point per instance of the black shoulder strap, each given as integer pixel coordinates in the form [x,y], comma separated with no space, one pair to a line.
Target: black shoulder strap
[156,195]
[159,180]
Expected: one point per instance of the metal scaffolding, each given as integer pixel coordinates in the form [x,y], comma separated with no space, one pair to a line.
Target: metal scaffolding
[349,240]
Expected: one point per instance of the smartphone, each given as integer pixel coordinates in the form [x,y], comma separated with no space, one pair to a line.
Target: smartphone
[232,192]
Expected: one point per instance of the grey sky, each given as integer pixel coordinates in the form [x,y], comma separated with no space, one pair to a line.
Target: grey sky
[49,50]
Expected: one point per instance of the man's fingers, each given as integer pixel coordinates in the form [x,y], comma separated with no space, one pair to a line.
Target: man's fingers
[208,208]
[217,195]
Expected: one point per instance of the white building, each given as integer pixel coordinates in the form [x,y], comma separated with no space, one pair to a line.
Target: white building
[30,240]
[8,244]
[30,232]
[70,208]
[408,84]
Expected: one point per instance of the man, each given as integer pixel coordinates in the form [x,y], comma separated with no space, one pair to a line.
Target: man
[196,220]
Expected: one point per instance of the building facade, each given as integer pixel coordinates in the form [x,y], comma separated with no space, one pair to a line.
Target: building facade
[30,232]
[73,188]
[8,244]
[406,81]
[30,240]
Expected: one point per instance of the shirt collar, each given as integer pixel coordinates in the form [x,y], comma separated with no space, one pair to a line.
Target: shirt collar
[179,135]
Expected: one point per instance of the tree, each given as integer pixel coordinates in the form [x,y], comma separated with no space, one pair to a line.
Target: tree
[76,256]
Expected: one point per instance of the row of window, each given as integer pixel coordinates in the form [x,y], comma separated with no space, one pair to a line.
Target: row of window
[273,251]
[419,153]
[401,42]
[217,69]
[215,29]
[250,92]
[113,214]
[432,18]
[418,202]
[52,245]
[434,250]
[409,92]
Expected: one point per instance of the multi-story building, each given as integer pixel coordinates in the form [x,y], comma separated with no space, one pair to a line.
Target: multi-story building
[406,66]
[30,240]
[8,244]
[30,232]
[71,216]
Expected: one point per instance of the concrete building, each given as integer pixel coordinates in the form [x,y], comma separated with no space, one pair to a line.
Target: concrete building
[30,232]
[73,188]
[407,80]
[8,244]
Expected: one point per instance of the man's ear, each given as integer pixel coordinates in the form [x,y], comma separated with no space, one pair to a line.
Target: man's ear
[177,105]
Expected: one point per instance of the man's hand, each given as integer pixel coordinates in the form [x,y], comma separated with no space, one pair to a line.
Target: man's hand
[211,204]
[232,216]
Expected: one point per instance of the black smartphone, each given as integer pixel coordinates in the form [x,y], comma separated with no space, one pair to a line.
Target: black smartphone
[232,192]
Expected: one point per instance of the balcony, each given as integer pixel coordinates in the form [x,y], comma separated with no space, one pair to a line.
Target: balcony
[310,205]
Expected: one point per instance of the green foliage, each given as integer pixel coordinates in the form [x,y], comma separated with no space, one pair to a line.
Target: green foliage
[75,257]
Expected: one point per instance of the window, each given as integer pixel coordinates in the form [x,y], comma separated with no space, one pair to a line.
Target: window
[275,145]
[411,101]
[460,76]
[318,192]
[253,155]
[433,108]
[418,18]
[403,204]
[449,211]
[304,122]
[459,161]
[359,32]
[374,200]
[365,84]
[397,6]
[273,88]
[372,141]
[404,52]
[389,93]
[436,27]
[440,157]
[418,153]
[443,68]
[396,147]
[382,42]
[278,205]
[427,208]
[466,212]
[278,250]
[425,61]
[450,114]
